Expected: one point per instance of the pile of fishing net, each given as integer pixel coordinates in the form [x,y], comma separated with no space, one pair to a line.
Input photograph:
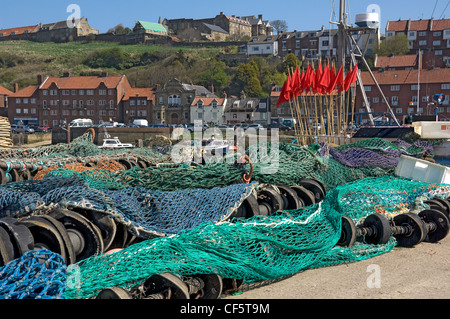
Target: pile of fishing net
[260,248]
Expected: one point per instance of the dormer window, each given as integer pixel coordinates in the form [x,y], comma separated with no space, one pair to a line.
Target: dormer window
[200,103]
[214,104]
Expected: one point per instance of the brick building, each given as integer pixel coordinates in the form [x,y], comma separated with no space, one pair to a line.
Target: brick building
[58,100]
[138,105]
[431,36]
[309,45]
[403,93]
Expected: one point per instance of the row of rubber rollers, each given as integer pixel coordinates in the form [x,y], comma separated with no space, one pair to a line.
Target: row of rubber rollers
[268,200]
[409,229]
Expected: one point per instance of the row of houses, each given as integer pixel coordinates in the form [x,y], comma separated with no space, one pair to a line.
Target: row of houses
[55,101]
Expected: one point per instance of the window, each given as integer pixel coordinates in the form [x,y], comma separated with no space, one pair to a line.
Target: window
[66,102]
[33,111]
[399,110]
[255,49]
[53,92]
[200,103]
[25,100]
[367,88]
[53,112]
[414,87]
[18,101]
[445,86]
[423,42]
[33,101]
[111,113]
[18,111]
[161,100]
[65,112]
[90,92]
[395,88]
[174,100]
[44,92]
[102,102]
[376,100]
[436,43]
[437,33]
[103,112]
[90,112]
[111,104]
[65,92]
[297,44]
[394,100]
[81,92]
[53,102]
[90,102]
[423,33]
[102,92]
[325,43]
[74,92]
[438,52]
[132,102]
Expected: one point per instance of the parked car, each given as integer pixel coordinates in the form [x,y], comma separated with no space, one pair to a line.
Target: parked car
[39,129]
[25,129]
[281,127]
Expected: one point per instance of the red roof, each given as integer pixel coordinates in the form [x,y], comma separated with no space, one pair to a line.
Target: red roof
[400,61]
[4,91]
[418,25]
[81,82]
[440,25]
[20,30]
[140,92]
[208,100]
[397,25]
[26,92]
[407,77]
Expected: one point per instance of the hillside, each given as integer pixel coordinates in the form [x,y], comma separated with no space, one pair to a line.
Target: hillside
[144,65]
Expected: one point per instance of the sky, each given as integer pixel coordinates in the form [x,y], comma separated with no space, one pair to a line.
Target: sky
[299,15]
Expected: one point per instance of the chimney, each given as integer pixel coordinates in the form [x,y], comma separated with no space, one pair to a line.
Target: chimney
[260,16]
[16,87]
[66,75]
[104,74]
[158,87]
[40,79]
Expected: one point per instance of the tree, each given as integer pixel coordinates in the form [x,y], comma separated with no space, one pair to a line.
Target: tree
[290,63]
[398,45]
[247,77]
[279,25]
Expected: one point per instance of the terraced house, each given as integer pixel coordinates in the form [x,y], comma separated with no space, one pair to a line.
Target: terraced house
[58,100]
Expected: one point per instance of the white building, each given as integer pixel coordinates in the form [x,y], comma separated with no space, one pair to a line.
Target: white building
[263,45]
[208,110]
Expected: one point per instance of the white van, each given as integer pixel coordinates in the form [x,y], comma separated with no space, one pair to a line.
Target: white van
[81,123]
[141,123]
